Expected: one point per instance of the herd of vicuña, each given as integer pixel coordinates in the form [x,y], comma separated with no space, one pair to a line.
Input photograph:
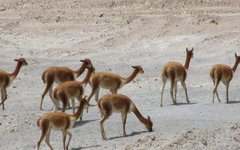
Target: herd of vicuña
[68,89]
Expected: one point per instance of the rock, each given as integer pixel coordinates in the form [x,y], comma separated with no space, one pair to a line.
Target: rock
[204,142]
[112,4]
[2,9]
[214,22]
[58,19]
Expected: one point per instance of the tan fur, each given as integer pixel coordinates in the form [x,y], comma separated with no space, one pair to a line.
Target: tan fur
[59,121]
[120,103]
[175,72]
[224,73]
[7,78]
[59,75]
[71,90]
[110,81]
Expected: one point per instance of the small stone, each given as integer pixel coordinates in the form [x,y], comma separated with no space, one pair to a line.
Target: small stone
[2,9]
[153,138]
[58,19]
[214,22]
[204,142]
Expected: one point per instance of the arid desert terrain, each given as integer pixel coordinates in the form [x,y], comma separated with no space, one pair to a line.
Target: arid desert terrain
[115,35]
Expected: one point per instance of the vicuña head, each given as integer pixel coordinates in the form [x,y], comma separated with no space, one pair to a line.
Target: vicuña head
[139,69]
[149,124]
[22,61]
[224,73]
[7,78]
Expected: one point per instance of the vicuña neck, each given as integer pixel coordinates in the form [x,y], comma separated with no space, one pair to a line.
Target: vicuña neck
[139,116]
[79,111]
[81,70]
[132,76]
[187,62]
[234,68]
[16,71]
[87,77]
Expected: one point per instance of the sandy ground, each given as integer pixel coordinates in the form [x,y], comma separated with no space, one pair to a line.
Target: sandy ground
[116,35]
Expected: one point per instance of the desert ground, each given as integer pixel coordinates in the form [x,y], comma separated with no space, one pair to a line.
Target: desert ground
[115,35]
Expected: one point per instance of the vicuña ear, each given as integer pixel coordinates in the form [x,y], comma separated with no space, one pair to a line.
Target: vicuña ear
[82,60]
[16,59]
[186,49]
[134,67]
[148,117]
[192,49]
[236,55]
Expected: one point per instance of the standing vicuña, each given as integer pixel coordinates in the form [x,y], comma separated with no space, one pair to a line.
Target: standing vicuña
[60,75]
[59,121]
[175,72]
[7,78]
[224,73]
[120,103]
[71,90]
[110,81]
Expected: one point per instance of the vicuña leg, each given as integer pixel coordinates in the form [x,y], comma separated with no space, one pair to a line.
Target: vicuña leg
[64,133]
[175,86]
[218,96]
[56,105]
[4,97]
[95,88]
[50,92]
[216,90]
[49,85]
[79,100]
[44,128]
[171,89]
[185,88]
[164,81]
[97,94]
[105,117]
[124,118]
[73,105]
[70,136]
[227,90]
[216,81]
[47,139]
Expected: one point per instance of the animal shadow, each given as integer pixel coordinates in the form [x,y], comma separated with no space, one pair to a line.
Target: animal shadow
[79,148]
[179,104]
[233,102]
[128,135]
[82,122]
